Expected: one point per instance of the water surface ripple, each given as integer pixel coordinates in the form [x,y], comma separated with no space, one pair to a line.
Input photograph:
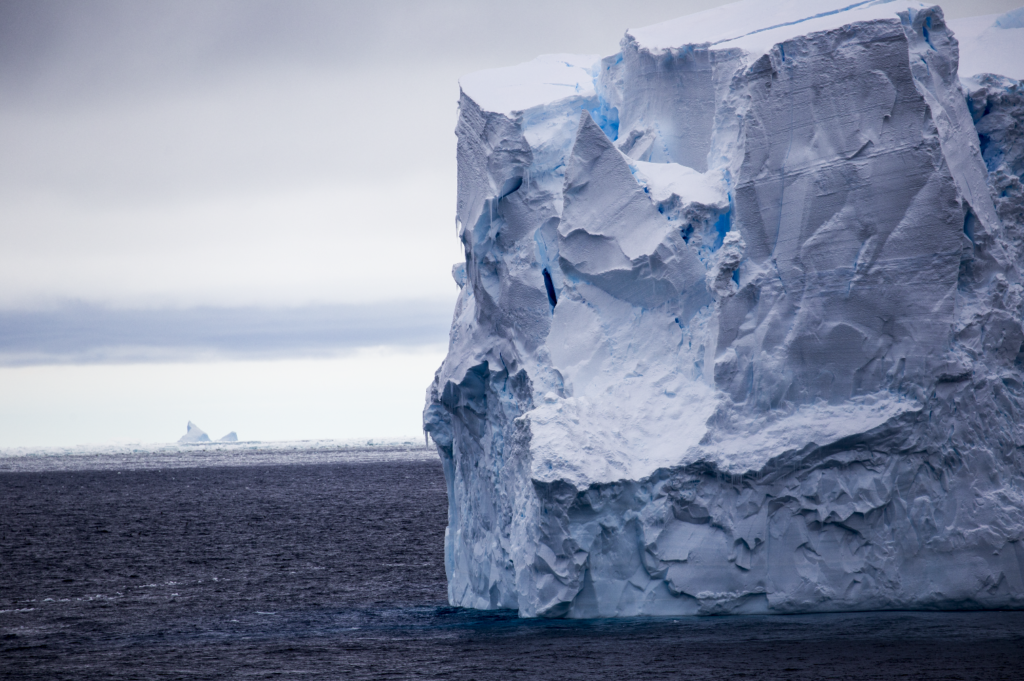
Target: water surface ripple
[336,571]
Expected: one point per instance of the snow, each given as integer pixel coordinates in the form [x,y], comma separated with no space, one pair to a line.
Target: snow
[738,19]
[739,326]
[547,78]
[759,42]
[663,180]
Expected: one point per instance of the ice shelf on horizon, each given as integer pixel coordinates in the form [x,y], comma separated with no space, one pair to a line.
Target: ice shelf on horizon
[739,328]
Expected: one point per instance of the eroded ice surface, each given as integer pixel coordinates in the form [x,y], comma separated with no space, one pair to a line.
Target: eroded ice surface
[739,327]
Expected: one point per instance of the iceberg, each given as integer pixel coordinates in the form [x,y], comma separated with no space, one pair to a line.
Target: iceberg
[193,434]
[230,437]
[739,322]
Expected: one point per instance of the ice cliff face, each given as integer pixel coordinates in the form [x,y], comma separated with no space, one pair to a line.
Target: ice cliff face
[739,327]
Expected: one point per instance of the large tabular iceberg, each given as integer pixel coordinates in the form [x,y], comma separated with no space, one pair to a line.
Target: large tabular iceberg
[739,327]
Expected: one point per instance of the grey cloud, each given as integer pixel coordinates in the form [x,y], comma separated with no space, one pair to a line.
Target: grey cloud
[82,333]
[94,48]
[108,106]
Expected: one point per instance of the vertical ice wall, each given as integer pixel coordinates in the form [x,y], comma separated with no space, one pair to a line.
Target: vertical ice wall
[739,327]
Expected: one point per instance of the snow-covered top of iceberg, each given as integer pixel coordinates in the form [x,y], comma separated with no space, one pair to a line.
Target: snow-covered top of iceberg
[547,78]
[991,44]
[751,17]
[988,44]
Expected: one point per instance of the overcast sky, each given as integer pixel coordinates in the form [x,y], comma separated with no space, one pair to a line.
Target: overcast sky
[249,153]
[181,180]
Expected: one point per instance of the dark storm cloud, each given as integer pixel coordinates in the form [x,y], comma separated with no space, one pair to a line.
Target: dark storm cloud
[86,334]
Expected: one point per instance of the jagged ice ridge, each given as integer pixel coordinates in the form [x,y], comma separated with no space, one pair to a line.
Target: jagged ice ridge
[739,327]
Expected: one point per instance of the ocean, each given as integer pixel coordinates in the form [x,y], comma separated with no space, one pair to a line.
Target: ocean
[330,565]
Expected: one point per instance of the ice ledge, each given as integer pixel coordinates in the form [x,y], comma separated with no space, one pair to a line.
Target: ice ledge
[814,425]
[546,79]
[579,442]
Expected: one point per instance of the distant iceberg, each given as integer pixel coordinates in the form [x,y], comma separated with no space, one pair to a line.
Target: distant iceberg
[194,434]
[230,437]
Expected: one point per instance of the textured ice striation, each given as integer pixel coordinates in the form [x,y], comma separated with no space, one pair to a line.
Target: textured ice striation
[739,328]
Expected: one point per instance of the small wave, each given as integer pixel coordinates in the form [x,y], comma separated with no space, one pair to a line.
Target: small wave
[212,454]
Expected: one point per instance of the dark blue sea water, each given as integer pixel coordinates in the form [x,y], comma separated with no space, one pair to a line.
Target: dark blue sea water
[335,571]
